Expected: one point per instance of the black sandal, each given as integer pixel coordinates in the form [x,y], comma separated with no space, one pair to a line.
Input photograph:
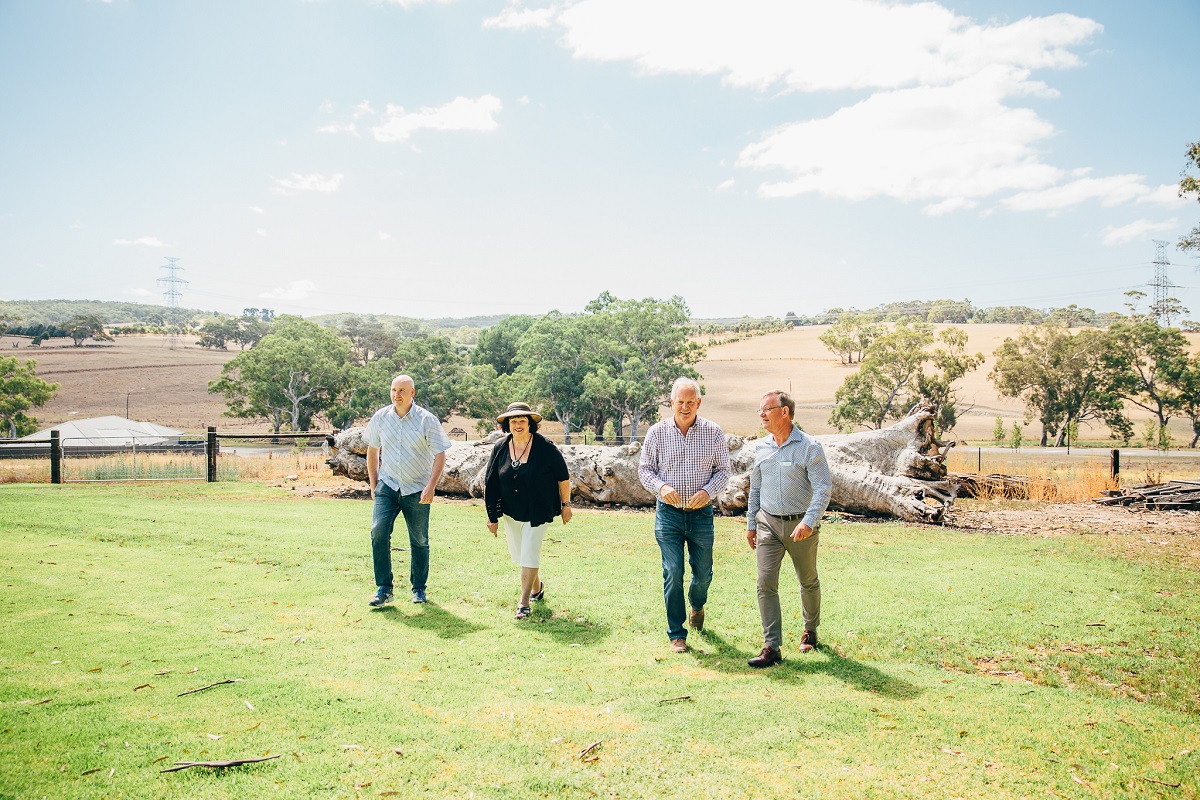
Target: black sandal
[523,612]
[540,594]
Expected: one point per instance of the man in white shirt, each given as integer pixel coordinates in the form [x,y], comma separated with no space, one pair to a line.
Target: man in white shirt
[406,452]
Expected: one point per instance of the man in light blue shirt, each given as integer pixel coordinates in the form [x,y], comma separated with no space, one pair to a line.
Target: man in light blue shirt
[406,452]
[790,485]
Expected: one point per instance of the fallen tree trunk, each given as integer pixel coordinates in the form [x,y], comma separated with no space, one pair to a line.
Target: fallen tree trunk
[898,471]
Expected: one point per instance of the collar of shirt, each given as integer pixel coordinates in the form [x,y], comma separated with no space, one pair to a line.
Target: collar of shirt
[795,436]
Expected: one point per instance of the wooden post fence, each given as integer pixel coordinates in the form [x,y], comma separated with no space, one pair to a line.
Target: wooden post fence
[55,457]
[211,451]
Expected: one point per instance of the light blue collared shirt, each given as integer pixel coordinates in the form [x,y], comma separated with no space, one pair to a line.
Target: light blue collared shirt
[792,478]
[406,445]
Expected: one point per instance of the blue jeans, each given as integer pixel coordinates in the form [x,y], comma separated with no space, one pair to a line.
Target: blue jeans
[388,505]
[674,528]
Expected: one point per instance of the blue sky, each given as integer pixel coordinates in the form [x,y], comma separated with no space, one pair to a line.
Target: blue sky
[438,159]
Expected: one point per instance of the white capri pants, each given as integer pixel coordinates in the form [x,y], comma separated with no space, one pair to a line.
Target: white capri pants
[524,542]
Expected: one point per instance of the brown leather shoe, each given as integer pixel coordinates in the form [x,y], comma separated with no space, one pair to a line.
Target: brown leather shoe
[768,656]
[808,641]
[678,646]
[696,619]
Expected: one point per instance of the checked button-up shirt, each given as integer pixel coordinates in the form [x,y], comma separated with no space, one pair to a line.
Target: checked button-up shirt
[788,479]
[699,460]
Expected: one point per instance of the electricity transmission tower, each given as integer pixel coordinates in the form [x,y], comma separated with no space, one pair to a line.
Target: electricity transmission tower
[172,293]
[1165,307]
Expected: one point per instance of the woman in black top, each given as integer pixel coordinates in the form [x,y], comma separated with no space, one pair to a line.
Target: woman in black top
[527,485]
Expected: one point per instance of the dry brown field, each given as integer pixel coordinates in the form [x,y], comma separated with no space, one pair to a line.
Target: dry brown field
[170,386]
[164,386]
[736,374]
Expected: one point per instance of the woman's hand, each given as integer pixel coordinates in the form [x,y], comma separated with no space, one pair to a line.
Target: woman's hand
[566,514]
[494,527]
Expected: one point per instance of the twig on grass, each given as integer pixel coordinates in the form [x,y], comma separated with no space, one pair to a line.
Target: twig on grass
[211,685]
[1160,783]
[237,762]
[675,699]
[591,748]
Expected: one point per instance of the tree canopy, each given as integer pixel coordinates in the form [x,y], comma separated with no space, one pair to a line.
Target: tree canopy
[295,373]
[20,390]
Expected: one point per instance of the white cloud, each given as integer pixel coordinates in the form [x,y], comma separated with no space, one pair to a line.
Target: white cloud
[261,231]
[725,184]
[138,292]
[364,109]
[850,44]
[460,114]
[1165,195]
[315,182]
[515,18]
[953,143]
[949,205]
[326,107]
[146,241]
[1142,228]
[339,127]
[938,119]
[383,236]
[1110,191]
[292,293]
[257,209]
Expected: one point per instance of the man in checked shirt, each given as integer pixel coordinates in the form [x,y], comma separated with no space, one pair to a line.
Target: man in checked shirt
[790,486]
[685,463]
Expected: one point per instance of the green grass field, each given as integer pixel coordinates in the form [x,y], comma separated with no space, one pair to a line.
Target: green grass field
[954,664]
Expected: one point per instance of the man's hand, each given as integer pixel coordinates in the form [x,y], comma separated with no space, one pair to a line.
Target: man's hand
[493,527]
[801,533]
[699,500]
[427,495]
[372,491]
[669,494]
[752,538]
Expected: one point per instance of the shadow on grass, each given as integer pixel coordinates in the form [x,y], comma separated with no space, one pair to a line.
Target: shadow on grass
[727,658]
[567,628]
[435,619]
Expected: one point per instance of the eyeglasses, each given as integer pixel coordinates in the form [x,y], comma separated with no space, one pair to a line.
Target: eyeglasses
[762,412]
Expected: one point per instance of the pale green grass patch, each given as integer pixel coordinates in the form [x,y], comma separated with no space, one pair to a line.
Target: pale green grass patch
[955,664]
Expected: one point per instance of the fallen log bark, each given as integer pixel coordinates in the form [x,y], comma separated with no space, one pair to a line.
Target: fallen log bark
[899,471]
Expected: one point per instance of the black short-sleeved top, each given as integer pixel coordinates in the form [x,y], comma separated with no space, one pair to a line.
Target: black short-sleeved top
[530,492]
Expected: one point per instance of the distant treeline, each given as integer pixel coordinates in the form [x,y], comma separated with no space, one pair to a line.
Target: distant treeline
[962,312]
[24,317]
[28,313]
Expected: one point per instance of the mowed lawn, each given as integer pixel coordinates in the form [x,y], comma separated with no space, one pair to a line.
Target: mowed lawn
[954,664]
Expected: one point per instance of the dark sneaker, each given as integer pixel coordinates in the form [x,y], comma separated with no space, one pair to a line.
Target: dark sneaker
[381,598]
[419,596]
[540,594]
[808,641]
[696,619]
[768,657]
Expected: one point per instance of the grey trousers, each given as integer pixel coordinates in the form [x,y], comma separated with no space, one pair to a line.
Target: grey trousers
[775,540]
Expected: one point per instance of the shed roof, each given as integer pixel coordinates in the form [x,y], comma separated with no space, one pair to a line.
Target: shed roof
[105,431]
